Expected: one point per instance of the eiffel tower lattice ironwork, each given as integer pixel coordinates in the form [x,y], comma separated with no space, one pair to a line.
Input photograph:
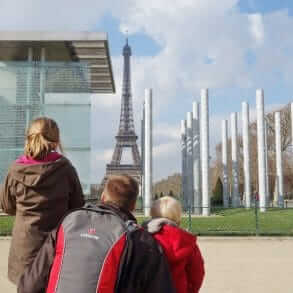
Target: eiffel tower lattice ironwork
[126,137]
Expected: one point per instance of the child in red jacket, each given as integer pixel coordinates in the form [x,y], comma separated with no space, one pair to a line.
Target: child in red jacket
[183,254]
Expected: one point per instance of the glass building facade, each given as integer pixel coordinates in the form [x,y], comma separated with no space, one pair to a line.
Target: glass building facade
[54,89]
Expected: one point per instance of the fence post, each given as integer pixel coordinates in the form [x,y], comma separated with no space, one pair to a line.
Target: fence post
[256,218]
[189,219]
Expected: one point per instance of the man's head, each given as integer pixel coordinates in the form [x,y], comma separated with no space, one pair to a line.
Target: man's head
[121,190]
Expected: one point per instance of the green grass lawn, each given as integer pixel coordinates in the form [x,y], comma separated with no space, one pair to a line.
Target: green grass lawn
[240,221]
[6,224]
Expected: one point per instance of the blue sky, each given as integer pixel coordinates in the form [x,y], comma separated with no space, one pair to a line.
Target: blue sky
[143,45]
[223,99]
[264,6]
[232,47]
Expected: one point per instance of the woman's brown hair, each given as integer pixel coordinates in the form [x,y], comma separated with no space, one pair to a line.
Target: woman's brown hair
[42,137]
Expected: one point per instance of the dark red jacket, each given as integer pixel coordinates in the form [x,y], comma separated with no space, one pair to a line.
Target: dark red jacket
[183,254]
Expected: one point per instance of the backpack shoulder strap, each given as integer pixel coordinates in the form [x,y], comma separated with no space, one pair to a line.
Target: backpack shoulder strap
[128,225]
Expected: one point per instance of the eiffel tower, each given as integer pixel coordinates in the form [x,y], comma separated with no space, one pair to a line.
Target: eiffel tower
[126,137]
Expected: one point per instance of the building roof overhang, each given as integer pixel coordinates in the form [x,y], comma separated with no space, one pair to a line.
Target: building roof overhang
[89,47]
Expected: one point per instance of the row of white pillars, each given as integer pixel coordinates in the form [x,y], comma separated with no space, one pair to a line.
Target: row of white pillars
[200,170]
[234,153]
[263,172]
[263,184]
[195,157]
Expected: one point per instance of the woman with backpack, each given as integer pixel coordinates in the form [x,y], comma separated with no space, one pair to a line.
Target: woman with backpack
[41,186]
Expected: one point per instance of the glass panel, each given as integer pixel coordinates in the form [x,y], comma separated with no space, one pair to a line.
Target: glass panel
[72,113]
[58,90]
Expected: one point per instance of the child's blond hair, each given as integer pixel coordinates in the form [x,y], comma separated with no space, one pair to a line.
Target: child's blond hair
[42,137]
[167,207]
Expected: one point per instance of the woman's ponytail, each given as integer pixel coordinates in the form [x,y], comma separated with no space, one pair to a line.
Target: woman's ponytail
[42,138]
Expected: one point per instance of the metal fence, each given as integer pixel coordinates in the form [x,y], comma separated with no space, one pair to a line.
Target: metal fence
[237,221]
[221,222]
[241,222]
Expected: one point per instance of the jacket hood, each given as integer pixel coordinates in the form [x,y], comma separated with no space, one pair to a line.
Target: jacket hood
[51,157]
[177,243]
[35,174]
[156,224]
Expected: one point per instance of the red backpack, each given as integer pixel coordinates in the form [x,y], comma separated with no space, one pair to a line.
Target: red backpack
[91,248]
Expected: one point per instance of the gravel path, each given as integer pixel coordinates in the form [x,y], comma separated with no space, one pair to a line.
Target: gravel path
[233,265]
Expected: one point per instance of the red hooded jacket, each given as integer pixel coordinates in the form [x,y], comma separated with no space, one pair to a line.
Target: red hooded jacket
[183,254]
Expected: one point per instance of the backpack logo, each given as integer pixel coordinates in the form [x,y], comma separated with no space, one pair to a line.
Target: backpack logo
[91,234]
[92,231]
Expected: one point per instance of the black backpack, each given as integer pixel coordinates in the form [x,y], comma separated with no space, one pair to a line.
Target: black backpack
[91,248]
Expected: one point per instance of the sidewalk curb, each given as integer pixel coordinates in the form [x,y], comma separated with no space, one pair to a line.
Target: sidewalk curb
[243,238]
[5,238]
[220,238]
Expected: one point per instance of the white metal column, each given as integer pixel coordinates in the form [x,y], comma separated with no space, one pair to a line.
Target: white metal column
[225,163]
[267,163]
[204,150]
[196,159]
[234,151]
[261,149]
[279,163]
[189,161]
[183,166]
[246,154]
[142,141]
[148,151]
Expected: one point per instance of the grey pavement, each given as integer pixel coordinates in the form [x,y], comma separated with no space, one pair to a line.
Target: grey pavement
[233,265]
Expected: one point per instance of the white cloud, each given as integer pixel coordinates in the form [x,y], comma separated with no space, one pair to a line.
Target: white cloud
[257,27]
[163,150]
[103,155]
[203,43]
[100,157]
[51,15]
[166,130]
[166,158]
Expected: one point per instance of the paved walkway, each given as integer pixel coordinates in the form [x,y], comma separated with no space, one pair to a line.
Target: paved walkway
[233,265]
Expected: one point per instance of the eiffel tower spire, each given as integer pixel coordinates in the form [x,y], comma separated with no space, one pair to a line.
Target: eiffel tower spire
[126,137]
[126,126]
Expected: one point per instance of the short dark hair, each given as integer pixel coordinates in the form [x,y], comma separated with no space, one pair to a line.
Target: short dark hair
[121,190]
